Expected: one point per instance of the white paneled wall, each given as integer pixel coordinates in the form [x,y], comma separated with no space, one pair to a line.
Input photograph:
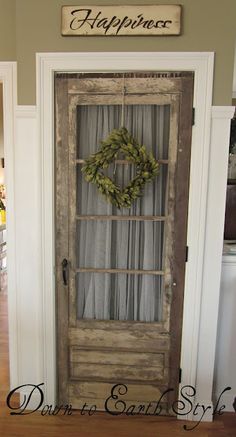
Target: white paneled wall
[218,167]
[225,364]
[28,214]
[28,246]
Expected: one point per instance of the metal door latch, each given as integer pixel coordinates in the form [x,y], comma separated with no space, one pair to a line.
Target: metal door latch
[64,266]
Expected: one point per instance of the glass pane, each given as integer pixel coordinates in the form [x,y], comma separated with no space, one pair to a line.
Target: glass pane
[120,244]
[119,297]
[149,124]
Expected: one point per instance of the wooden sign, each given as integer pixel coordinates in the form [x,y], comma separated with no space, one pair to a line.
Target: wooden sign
[121,20]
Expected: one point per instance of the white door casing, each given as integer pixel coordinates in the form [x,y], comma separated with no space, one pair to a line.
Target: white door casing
[8,77]
[202,65]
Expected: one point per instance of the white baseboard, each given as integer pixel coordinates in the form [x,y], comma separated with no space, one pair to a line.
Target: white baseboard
[31,399]
[30,403]
[227,400]
[201,411]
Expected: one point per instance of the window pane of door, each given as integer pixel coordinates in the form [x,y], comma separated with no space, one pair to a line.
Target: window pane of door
[120,244]
[119,297]
[149,124]
[128,245]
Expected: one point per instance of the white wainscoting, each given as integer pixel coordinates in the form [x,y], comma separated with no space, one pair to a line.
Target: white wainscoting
[28,247]
[213,248]
[225,364]
[30,333]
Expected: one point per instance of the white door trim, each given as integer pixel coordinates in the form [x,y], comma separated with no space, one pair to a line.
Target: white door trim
[8,78]
[202,65]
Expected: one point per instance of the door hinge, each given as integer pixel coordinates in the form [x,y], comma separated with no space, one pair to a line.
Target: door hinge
[180,375]
[193,116]
[186,254]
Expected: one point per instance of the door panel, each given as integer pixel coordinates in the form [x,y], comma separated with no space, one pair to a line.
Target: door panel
[119,315]
[84,392]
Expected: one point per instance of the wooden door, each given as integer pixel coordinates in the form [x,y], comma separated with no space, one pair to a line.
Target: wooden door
[142,353]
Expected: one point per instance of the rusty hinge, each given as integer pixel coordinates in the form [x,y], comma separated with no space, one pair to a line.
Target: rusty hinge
[180,375]
[186,254]
[193,116]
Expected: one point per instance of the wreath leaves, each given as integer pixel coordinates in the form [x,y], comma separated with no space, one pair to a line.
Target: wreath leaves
[147,168]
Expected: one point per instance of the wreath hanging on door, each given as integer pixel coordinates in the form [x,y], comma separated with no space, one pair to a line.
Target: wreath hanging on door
[120,140]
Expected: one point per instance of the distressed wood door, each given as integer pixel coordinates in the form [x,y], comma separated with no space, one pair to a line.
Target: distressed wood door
[137,353]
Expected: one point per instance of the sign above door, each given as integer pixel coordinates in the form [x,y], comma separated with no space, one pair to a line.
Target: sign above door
[146,20]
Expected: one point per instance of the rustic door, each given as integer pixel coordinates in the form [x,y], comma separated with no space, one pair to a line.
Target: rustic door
[120,273]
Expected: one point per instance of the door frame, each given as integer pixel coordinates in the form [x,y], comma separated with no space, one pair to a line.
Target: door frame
[202,65]
[8,78]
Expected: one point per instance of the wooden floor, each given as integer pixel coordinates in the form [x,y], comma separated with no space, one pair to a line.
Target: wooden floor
[100,424]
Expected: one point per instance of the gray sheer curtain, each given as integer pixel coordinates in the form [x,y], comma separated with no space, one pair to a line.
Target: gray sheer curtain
[121,244]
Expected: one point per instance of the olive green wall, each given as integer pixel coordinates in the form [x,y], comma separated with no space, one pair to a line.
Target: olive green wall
[7,30]
[208,25]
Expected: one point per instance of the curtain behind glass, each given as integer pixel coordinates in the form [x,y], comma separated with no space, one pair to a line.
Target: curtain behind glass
[121,244]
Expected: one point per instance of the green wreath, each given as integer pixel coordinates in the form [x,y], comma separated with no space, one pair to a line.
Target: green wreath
[147,167]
